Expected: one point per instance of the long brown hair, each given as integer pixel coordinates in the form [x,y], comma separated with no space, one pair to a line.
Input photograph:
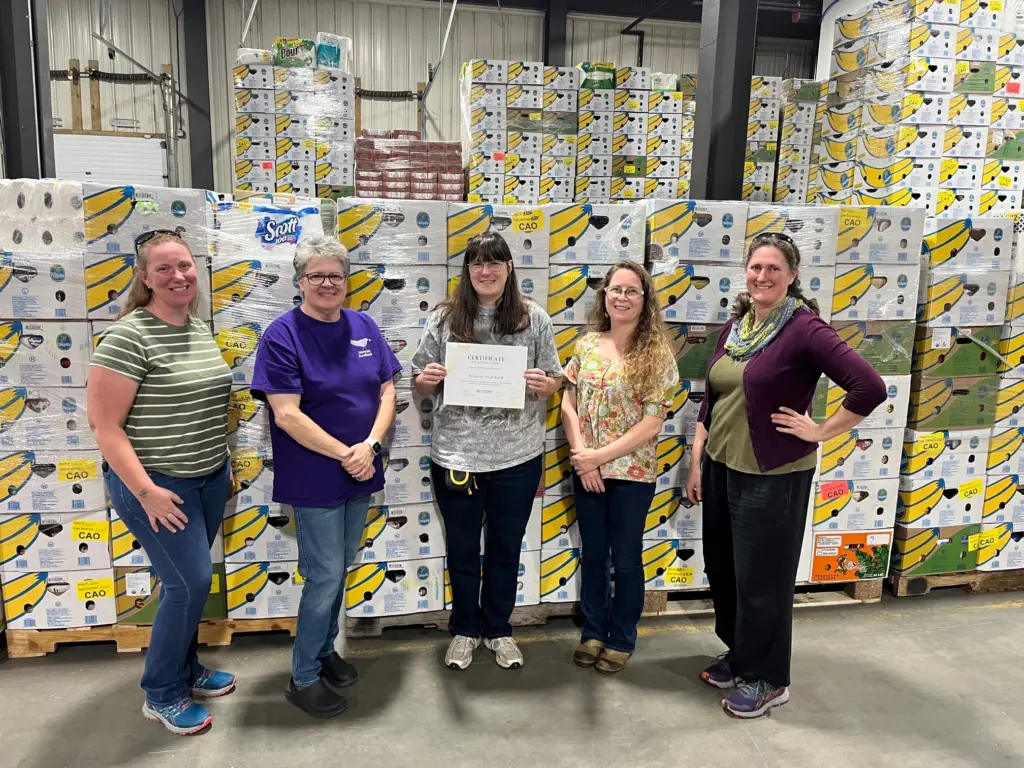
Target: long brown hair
[785,245]
[139,294]
[648,356]
[512,314]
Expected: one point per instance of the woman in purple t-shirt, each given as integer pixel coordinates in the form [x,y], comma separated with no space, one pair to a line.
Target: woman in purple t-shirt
[327,374]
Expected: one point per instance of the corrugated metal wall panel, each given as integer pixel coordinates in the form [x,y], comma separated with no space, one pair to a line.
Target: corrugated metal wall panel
[393,42]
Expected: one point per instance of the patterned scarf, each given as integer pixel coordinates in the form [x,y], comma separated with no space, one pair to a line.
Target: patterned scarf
[745,340]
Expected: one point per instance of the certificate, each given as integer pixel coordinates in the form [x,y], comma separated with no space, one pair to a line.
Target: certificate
[485,375]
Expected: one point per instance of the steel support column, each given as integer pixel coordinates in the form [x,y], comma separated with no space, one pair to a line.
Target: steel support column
[725,64]
[197,88]
[25,89]
[556,30]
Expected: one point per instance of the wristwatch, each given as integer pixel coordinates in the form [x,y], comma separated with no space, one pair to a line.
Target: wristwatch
[374,445]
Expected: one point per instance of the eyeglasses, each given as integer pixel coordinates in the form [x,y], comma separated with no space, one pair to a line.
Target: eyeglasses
[318,278]
[769,236]
[145,237]
[479,266]
[617,292]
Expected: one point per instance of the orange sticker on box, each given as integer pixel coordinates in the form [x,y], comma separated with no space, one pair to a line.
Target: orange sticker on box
[834,490]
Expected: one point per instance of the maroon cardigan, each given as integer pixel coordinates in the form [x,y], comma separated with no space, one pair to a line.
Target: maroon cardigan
[785,373]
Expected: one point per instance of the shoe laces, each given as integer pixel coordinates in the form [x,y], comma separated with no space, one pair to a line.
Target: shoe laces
[755,688]
[504,644]
[179,707]
[462,644]
[203,677]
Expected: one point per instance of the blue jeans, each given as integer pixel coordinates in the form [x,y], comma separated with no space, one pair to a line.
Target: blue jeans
[329,538]
[613,522]
[181,560]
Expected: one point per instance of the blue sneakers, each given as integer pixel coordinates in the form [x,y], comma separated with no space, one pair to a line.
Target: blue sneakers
[210,684]
[183,718]
[720,673]
[753,699]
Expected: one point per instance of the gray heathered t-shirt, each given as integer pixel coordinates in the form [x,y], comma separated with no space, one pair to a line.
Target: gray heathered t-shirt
[488,439]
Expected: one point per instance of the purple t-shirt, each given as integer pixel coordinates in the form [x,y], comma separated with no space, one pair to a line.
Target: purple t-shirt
[338,369]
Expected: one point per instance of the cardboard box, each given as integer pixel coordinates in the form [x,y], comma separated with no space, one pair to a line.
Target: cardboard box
[253,469]
[41,286]
[532,539]
[237,345]
[52,482]
[414,419]
[696,231]
[673,456]
[631,101]
[860,454]
[965,402]
[560,576]
[109,277]
[256,126]
[560,102]
[854,505]
[395,588]
[485,71]
[999,203]
[924,503]
[1011,341]
[1000,175]
[935,550]
[572,291]
[558,192]
[973,245]
[850,556]
[406,476]
[558,167]
[557,478]
[682,415]
[879,235]
[400,533]
[828,397]
[51,542]
[249,100]
[528,581]
[945,455]
[396,296]
[45,420]
[674,565]
[262,590]
[1004,501]
[252,290]
[595,123]
[965,299]
[672,516]
[875,292]
[137,595]
[526,229]
[562,78]
[629,146]
[116,215]
[1009,402]
[486,95]
[693,347]
[522,190]
[488,141]
[670,103]
[260,533]
[1005,454]
[1000,548]
[559,528]
[596,100]
[696,293]
[59,599]
[955,141]
[248,420]
[44,353]
[126,550]
[393,231]
[944,352]
[887,346]
[523,97]
[259,76]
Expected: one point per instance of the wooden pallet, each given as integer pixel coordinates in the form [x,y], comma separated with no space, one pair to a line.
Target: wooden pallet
[523,616]
[973,582]
[698,602]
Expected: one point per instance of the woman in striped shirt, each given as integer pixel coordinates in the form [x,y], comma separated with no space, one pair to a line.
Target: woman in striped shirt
[158,398]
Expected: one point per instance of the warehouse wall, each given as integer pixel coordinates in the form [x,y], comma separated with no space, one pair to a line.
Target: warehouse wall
[143,28]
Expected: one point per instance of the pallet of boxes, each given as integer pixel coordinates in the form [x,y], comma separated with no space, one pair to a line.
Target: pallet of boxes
[796,172]
[762,138]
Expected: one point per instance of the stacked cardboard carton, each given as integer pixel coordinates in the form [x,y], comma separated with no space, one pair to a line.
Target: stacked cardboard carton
[594,157]
[800,130]
[762,138]
[397,165]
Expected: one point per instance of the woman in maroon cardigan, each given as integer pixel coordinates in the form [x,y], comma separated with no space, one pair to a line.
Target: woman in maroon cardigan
[753,464]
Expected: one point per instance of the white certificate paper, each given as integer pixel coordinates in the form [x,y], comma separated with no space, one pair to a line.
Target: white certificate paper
[485,375]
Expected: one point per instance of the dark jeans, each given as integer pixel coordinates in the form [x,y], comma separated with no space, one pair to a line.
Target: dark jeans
[507,495]
[753,532]
[182,562]
[613,522]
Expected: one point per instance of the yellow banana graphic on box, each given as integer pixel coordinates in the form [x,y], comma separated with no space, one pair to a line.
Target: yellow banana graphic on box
[242,408]
[244,525]
[363,582]
[1015,301]
[1010,401]
[827,508]
[900,197]
[515,69]
[464,225]
[565,289]
[771,219]
[357,224]
[568,225]
[999,492]
[23,593]
[247,465]
[1003,75]
[669,223]
[557,570]
[671,285]
[842,122]
[837,451]
[670,452]
[946,242]
[1010,349]
[989,200]
[553,419]
[658,558]
[1001,533]
[923,453]
[556,518]
[565,341]
[235,282]
[837,181]
[917,503]
[107,280]
[1007,42]
[12,404]
[849,57]
[238,343]
[106,211]
[1003,446]
[915,548]
[854,225]
[17,534]
[940,297]
[663,506]
[965,37]
[840,151]
[122,543]
[364,288]
[246,583]
[892,174]
[851,285]
[852,333]
[930,399]
[557,466]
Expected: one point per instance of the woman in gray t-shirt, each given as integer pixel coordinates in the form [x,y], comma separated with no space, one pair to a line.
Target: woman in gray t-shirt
[487,458]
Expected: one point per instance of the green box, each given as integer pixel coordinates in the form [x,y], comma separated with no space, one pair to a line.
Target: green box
[526,121]
[559,123]
[926,551]
[693,346]
[963,402]
[141,609]
[1005,145]
[887,346]
[688,85]
[629,167]
[980,77]
[945,352]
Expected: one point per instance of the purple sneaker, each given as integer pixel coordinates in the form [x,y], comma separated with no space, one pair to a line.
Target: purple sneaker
[720,674]
[754,699]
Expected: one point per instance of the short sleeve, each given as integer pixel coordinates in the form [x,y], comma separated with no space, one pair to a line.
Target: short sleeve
[572,370]
[120,349]
[546,351]
[277,369]
[660,401]
[429,349]
[389,365]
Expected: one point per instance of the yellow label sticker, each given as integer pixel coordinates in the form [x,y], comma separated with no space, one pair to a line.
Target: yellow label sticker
[981,540]
[1004,181]
[948,168]
[528,221]
[914,100]
[536,116]
[90,530]
[511,200]
[297,577]
[76,470]
[474,198]
[678,577]
[995,5]
[94,589]
[215,583]
[972,489]
[629,193]
[629,169]
[853,219]
[963,67]
[930,442]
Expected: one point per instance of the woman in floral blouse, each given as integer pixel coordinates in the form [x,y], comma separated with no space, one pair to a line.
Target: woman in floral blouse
[622,378]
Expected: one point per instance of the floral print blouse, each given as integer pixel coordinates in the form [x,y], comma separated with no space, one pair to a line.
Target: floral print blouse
[608,408]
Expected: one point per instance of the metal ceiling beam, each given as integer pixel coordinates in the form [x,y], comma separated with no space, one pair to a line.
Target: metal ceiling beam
[197,84]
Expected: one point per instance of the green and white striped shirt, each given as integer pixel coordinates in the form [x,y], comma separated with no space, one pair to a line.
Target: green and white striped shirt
[178,424]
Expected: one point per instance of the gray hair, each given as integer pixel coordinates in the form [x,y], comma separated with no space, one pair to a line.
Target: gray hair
[320,247]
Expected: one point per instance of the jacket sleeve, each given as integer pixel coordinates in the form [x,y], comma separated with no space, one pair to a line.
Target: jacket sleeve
[864,388]
[705,407]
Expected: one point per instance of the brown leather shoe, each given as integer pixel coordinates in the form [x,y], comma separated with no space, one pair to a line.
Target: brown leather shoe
[586,653]
[610,662]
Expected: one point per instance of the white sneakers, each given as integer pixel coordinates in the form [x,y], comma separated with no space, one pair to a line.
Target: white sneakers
[460,652]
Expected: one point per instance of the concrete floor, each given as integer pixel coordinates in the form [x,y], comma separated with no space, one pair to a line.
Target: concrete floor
[927,681]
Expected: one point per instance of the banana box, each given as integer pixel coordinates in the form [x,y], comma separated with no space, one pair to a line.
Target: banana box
[558,471]
[964,142]
[259,76]
[800,113]
[757,193]
[860,454]
[248,419]
[137,595]
[880,235]
[663,168]
[626,100]
[828,397]
[672,516]
[801,135]
[1002,175]
[917,141]
[945,455]
[555,145]
[669,103]
[629,124]
[406,476]
[939,549]
[971,298]
[572,291]
[296,150]
[686,149]
[842,117]
[558,167]
[597,100]
[761,87]
[910,108]
[108,279]
[666,126]
[696,293]
[560,101]
[693,347]
[1011,352]
[592,190]
[977,45]
[565,341]
[252,290]
[629,146]
[414,419]
[485,71]
[966,402]
[813,230]
[293,79]
[924,503]
[522,190]
[396,296]
[854,505]
[126,550]
[886,346]
[399,533]
[554,431]
[1004,501]
[898,173]
[936,75]
[1005,456]
[561,78]
[263,590]
[560,576]
[594,123]
[557,191]
[248,100]
[1009,403]
[297,177]
[999,203]
[758,173]
[962,173]
[116,215]
[523,97]
[253,469]
[598,165]
[669,147]
[403,342]
[395,588]
[763,130]
[633,77]
[959,203]
[596,234]
[696,231]
[490,141]
[44,419]
[673,457]
[559,527]
[482,185]
[529,145]
[59,599]
[487,118]
[963,109]
[764,110]
[850,555]
[260,533]
[674,565]
[1000,548]
[681,418]
[257,175]
[528,581]
[237,345]
[486,95]
[670,189]
[526,229]
[260,149]
[875,292]
[794,176]
[44,354]
[49,542]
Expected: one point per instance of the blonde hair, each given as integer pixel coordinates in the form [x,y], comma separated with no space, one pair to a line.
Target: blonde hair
[139,294]
[648,357]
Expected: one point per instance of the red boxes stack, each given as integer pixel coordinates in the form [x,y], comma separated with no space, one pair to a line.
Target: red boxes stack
[397,165]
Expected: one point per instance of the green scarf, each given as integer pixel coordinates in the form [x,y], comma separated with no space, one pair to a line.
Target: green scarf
[745,340]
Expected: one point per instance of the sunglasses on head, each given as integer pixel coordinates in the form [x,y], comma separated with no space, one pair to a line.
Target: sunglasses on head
[145,237]
[777,236]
